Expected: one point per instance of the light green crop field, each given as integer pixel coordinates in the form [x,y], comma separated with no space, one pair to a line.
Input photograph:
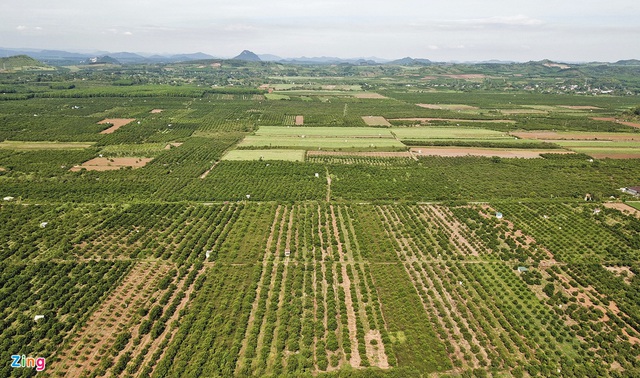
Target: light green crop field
[329,132]
[286,155]
[635,205]
[448,133]
[312,143]
[141,149]
[273,96]
[31,146]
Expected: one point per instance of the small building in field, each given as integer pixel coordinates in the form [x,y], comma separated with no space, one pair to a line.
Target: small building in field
[8,198]
[522,269]
[499,215]
[287,253]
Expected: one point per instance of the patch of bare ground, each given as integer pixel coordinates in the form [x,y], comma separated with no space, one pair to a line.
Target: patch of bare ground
[483,152]
[115,123]
[623,207]
[402,154]
[369,95]
[110,164]
[457,120]
[89,345]
[171,145]
[622,271]
[375,349]
[299,120]
[612,119]
[375,121]
[156,111]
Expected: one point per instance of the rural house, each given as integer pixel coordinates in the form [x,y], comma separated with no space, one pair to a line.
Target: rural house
[633,190]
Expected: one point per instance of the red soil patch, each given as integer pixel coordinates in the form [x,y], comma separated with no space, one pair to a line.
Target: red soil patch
[611,119]
[454,120]
[156,111]
[299,120]
[109,164]
[116,124]
[365,154]
[486,152]
[552,135]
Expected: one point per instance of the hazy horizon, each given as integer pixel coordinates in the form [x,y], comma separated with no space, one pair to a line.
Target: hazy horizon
[454,31]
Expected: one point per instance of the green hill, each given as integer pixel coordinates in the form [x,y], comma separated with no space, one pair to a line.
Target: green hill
[21,63]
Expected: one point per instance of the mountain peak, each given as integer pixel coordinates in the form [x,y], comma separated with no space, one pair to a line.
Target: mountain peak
[248,56]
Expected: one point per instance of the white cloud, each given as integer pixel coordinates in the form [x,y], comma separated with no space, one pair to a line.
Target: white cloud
[22,28]
[127,33]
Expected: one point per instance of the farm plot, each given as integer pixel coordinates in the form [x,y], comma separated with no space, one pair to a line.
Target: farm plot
[483,152]
[34,146]
[273,154]
[369,95]
[110,164]
[576,135]
[321,143]
[115,123]
[62,292]
[425,133]
[310,305]
[375,121]
[451,120]
[615,120]
[327,132]
[461,107]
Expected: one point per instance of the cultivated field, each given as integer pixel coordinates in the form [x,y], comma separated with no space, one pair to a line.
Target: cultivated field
[280,230]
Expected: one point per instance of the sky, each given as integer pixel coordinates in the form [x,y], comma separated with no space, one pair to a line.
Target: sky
[454,30]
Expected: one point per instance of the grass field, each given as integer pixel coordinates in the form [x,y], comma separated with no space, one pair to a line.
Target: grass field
[327,132]
[287,155]
[321,142]
[34,146]
[634,204]
[417,133]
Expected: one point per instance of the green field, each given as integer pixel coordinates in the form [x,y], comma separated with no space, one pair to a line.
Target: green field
[324,143]
[286,155]
[634,204]
[428,132]
[327,132]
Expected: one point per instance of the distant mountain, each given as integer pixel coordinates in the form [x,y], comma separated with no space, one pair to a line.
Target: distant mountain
[269,58]
[20,62]
[408,61]
[248,56]
[128,58]
[629,62]
[106,59]
[195,56]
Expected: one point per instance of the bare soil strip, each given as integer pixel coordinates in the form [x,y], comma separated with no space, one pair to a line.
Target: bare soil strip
[299,120]
[579,107]
[375,350]
[611,119]
[206,173]
[110,164]
[116,124]
[456,237]
[156,111]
